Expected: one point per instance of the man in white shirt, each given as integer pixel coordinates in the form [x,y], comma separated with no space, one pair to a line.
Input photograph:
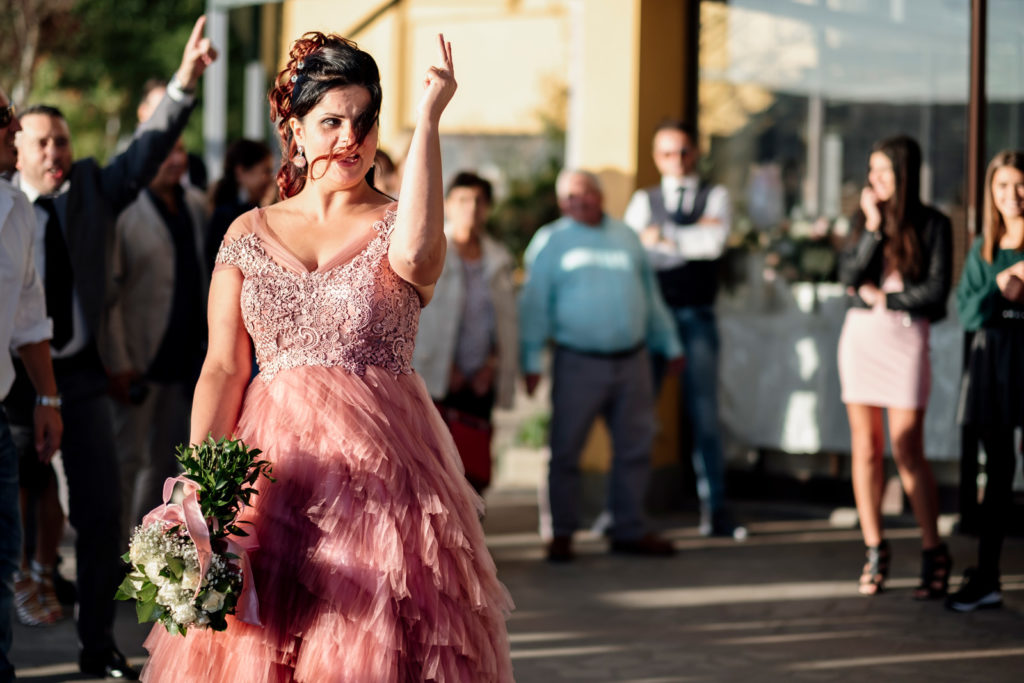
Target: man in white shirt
[683,223]
[76,204]
[24,328]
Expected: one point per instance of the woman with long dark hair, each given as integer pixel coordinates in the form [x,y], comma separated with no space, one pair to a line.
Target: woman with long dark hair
[990,301]
[247,179]
[898,271]
[371,563]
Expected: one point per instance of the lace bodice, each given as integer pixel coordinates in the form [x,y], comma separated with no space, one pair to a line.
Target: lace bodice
[356,314]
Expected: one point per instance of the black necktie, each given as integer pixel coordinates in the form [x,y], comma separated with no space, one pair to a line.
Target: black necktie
[59,280]
[679,216]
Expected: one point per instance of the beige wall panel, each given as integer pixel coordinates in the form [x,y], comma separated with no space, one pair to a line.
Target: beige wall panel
[603,104]
[507,70]
[510,58]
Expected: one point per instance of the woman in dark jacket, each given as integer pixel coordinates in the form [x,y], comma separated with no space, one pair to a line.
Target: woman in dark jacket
[898,271]
[248,177]
[990,301]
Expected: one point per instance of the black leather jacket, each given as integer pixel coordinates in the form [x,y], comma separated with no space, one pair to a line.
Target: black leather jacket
[922,297]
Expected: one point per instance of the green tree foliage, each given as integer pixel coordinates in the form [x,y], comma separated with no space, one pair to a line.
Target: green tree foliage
[91,59]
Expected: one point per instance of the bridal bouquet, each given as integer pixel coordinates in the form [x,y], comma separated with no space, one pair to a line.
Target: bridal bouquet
[189,562]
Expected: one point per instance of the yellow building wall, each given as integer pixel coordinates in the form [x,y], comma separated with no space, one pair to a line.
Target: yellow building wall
[510,58]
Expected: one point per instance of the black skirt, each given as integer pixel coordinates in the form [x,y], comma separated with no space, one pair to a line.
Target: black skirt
[992,392]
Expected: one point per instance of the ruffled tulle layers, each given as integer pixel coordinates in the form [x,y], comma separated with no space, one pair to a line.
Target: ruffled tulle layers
[372,564]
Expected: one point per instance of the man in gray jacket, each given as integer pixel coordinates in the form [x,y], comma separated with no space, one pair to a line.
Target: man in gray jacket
[155,331]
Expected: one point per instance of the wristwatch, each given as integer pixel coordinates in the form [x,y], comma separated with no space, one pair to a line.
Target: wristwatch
[54,401]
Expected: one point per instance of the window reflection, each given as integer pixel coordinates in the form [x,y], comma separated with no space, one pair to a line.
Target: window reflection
[1004,76]
[793,93]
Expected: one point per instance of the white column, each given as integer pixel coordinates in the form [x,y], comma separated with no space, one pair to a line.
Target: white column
[215,91]
[256,110]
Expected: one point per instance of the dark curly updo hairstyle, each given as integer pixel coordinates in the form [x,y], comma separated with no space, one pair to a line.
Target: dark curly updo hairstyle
[318,63]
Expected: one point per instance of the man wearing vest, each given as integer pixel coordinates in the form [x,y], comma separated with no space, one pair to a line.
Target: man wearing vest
[683,223]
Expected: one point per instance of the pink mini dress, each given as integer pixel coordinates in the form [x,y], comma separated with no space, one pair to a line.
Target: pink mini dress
[884,355]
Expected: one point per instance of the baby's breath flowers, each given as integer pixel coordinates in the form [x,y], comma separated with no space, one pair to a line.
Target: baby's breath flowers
[188,563]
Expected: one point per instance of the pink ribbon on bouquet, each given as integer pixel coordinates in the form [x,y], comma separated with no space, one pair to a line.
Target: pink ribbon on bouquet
[247,608]
[190,515]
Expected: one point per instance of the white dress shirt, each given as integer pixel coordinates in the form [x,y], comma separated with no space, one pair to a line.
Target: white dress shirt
[79,330]
[22,302]
[701,241]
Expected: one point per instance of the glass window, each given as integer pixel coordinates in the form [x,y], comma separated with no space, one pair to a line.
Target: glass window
[1004,77]
[793,93]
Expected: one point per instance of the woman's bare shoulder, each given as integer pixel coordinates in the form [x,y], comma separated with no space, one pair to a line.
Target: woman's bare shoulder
[246,224]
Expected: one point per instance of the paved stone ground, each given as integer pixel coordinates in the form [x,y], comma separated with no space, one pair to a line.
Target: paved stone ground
[780,606]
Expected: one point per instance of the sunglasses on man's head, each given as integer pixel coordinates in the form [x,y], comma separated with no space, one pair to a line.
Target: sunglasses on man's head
[6,115]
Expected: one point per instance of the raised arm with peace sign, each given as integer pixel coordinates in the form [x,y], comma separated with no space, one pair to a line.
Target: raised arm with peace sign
[418,243]
[438,83]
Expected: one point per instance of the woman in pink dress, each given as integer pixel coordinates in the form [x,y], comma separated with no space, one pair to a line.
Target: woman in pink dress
[899,270]
[372,564]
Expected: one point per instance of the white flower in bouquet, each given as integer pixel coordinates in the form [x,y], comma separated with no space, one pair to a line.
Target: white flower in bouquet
[190,579]
[213,601]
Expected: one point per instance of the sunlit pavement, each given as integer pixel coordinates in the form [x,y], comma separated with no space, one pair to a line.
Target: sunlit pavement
[781,606]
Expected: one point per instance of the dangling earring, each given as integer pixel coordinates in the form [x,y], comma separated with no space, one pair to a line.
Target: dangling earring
[299,159]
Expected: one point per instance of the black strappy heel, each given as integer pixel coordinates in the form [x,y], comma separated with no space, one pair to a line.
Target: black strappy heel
[936,568]
[876,569]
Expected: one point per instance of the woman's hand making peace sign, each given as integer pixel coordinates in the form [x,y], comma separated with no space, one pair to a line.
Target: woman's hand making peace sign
[438,84]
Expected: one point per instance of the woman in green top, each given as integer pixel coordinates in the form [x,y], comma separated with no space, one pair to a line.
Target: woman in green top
[990,300]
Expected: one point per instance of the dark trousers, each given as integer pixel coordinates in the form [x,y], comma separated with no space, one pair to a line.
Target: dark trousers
[994,511]
[89,453]
[618,389]
[10,541]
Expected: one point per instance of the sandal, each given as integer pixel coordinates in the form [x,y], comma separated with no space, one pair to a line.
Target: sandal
[876,569]
[936,567]
[27,605]
[47,595]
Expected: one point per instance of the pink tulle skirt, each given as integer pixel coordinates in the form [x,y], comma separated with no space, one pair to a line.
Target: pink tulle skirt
[372,564]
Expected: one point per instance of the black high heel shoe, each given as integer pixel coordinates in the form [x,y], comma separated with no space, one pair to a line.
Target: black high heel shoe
[936,568]
[876,569]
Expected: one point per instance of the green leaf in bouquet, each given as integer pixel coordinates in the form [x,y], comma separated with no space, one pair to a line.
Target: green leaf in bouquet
[127,590]
[175,565]
[127,557]
[147,593]
[146,610]
[218,622]
[172,627]
[221,469]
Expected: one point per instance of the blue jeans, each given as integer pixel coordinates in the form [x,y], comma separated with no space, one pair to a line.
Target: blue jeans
[698,333]
[10,540]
